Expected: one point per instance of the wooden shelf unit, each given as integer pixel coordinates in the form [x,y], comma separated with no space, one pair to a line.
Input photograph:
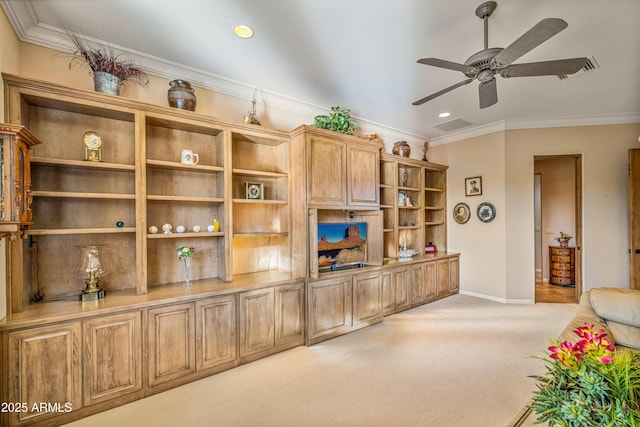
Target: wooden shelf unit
[260,226]
[141,183]
[424,220]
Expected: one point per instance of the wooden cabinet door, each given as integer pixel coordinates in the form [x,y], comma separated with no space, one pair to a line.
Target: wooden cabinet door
[363,171]
[43,366]
[443,277]
[396,289]
[289,314]
[257,317]
[326,173]
[215,332]
[417,284]
[388,292]
[171,343]
[367,299]
[329,309]
[454,275]
[424,282]
[402,288]
[112,356]
[430,278]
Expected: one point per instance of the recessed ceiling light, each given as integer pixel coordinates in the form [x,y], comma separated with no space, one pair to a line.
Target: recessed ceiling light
[443,115]
[243,31]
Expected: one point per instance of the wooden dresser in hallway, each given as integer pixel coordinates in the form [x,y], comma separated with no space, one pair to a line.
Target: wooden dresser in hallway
[562,266]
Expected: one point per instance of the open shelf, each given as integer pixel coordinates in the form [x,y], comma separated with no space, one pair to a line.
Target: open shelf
[76,195]
[176,235]
[260,202]
[265,234]
[82,164]
[194,199]
[163,164]
[257,173]
[63,231]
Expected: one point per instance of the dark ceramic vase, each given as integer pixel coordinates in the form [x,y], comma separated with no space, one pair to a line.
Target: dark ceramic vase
[181,95]
[401,148]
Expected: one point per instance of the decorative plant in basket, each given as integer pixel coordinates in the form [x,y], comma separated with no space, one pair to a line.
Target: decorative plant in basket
[339,121]
[109,69]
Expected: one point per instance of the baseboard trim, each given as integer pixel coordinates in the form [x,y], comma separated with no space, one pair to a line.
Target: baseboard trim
[496,299]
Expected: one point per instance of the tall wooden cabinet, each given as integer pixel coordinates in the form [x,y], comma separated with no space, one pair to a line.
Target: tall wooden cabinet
[342,171]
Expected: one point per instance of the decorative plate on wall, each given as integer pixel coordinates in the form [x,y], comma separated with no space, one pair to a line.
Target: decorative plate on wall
[461,213]
[486,212]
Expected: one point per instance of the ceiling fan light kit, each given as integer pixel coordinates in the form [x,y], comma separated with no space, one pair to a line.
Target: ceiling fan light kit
[485,64]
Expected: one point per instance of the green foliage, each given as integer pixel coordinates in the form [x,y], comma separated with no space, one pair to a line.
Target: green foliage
[591,393]
[339,121]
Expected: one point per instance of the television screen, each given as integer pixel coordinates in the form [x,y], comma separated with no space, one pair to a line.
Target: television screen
[342,243]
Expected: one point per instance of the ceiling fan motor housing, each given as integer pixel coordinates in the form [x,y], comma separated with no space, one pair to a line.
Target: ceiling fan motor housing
[481,60]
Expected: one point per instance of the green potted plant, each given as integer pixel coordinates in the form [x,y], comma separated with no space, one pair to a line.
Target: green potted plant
[589,384]
[109,69]
[338,121]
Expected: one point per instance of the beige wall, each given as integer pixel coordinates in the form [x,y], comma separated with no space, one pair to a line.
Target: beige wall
[482,261]
[506,162]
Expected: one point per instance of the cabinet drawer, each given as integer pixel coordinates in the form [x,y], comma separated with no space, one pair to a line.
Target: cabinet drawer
[561,251]
[562,273]
[560,258]
[560,266]
[562,280]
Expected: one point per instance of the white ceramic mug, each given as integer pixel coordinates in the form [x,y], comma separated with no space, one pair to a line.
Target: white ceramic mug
[189,157]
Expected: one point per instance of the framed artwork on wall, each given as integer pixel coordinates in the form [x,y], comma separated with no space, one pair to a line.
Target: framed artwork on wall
[473,186]
[461,213]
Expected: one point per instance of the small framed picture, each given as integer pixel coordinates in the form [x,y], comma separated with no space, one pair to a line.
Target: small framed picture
[254,190]
[461,213]
[473,186]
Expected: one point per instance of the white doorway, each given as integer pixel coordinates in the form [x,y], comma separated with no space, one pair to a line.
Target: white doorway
[558,208]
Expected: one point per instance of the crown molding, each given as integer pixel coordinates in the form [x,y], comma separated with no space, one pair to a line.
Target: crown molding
[504,125]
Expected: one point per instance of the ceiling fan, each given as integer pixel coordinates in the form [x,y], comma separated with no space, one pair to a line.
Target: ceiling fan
[484,65]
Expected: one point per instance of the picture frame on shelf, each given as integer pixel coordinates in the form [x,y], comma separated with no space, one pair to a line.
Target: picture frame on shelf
[473,186]
[254,190]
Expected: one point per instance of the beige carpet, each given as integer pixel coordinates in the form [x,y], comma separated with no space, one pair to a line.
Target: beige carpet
[457,362]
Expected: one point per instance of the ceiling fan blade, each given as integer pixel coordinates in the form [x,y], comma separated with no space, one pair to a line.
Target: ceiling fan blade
[538,34]
[488,93]
[545,68]
[442,92]
[435,62]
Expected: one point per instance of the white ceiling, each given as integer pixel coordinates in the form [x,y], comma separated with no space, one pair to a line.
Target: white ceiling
[309,55]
